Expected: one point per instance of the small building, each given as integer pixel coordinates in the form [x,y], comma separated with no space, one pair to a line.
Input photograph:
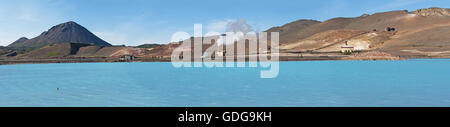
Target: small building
[347,49]
[127,58]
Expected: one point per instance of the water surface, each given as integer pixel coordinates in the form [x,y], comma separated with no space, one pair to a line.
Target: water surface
[303,83]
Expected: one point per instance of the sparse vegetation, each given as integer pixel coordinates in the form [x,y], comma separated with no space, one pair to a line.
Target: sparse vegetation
[148,46]
[347,52]
[418,45]
[53,53]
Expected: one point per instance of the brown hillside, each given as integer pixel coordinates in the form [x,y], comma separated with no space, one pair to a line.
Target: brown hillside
[102,51]
[54,51]
[322,39]
[286,30]
[422,32]
[299,34]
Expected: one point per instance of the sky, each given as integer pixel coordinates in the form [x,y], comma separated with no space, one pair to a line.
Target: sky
[134,22]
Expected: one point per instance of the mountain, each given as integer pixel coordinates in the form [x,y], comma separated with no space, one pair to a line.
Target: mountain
[20,40]
[423,32]
[418,34]
[69,32]
[289,31]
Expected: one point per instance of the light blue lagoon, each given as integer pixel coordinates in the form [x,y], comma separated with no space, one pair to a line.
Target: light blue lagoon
[423,82]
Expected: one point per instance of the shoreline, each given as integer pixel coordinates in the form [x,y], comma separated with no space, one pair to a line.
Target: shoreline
[110,60]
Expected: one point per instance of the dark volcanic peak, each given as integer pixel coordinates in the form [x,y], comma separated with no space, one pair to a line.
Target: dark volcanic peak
[63,33]
[70,26]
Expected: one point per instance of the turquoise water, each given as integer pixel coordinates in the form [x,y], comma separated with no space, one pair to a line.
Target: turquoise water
[304,83]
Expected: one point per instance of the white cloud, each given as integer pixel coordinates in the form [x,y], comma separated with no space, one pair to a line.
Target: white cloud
[239,26]
[218,26]
[229,25]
